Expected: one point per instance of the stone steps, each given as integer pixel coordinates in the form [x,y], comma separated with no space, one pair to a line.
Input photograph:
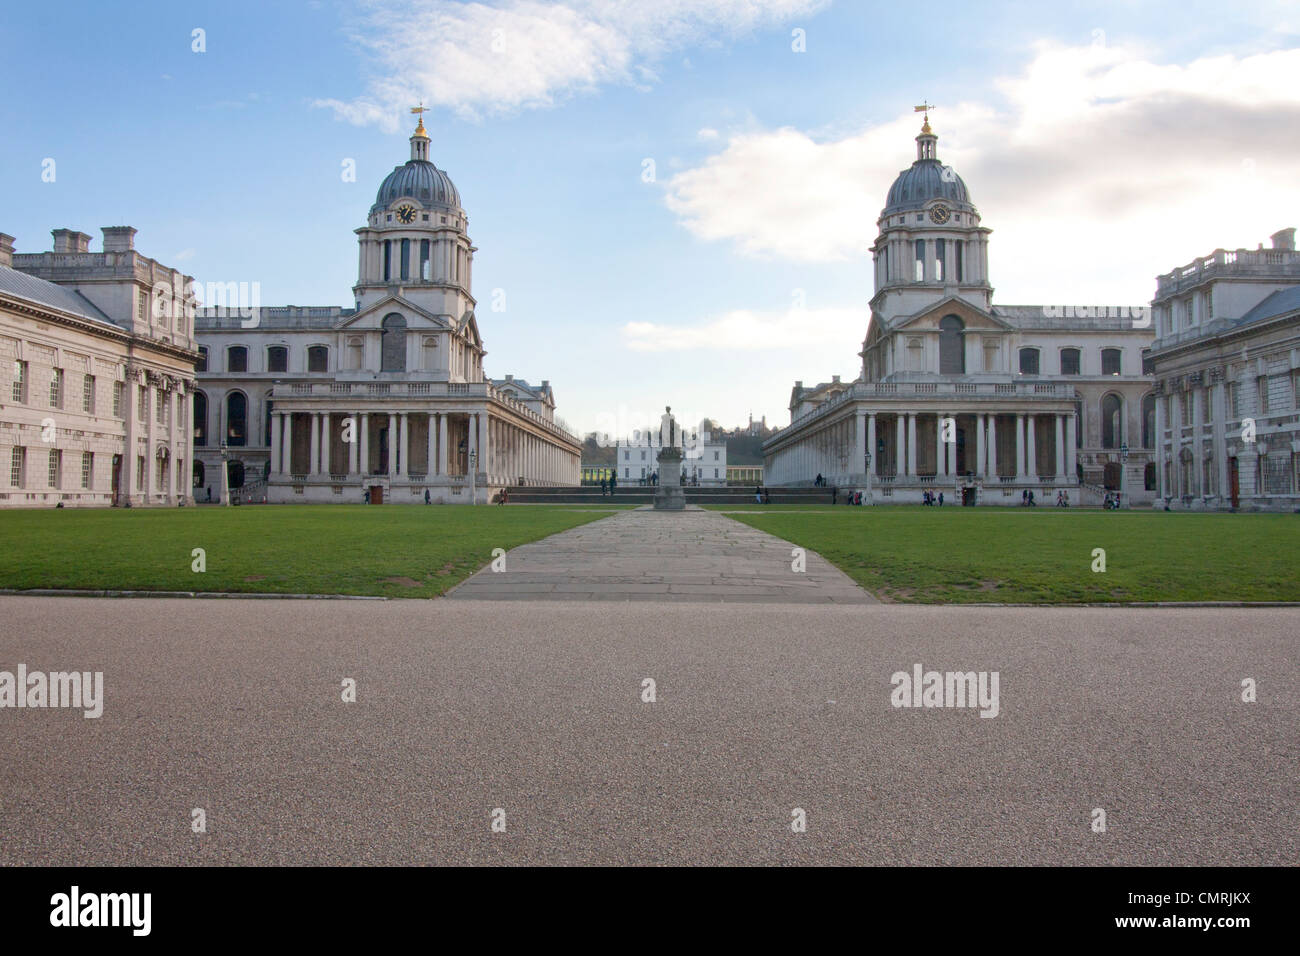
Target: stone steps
[641,495]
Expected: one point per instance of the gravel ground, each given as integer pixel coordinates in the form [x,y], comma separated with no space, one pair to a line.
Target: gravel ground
[535,708]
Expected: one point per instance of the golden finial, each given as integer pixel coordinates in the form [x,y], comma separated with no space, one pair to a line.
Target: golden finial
[420,111]
[924,108]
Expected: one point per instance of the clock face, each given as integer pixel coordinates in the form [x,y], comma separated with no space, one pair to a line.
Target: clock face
[406,214]
[939,214]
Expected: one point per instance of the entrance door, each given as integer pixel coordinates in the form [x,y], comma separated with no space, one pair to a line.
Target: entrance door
[1112,476]
[968,496]
[117,477]
[1233,485]
[376,494]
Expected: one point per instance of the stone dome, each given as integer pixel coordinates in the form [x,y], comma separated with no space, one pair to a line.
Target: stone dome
[421,180]
[923,181]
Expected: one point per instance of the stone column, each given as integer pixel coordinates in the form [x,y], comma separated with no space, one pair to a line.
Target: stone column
[950,454]
[364,451]
[1060,446]
[979,468]
[1161,490]
[992,471]
[1020,446]
[900,445]
[326,444]
[354,456]
[431,443]
[174,487]
[276,425]
[911,443]
[871,443]
[1071,461]
[404,456]
[392,445]
[150,444]
[940,449]
[442,443]
[313,466]
[860,442]
[286,450]
[481,442]
[1198,446]
[1031,448]
[1218,418]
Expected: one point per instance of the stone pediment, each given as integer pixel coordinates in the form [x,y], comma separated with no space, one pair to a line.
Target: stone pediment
[927,320]
[372,316]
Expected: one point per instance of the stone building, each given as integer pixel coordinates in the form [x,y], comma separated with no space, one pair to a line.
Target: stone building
[388,398]
[984,402]
[704,457]
[1226,362]
[97,374]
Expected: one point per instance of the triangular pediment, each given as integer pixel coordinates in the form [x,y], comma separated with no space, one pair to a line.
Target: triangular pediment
[372,315]
[927,320]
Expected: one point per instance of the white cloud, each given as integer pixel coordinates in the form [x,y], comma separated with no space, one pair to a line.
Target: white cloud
[489,57]
[745,330]
[1097,170]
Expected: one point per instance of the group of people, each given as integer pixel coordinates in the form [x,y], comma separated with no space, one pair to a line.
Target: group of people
[1111,501]
[930,498]
[1062,499]
[1027,499]
[607,485]
[760,495]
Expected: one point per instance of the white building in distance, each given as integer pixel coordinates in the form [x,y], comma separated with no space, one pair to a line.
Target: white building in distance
[956,394]
[704,458]
[97,363]
[1226,361]
[387,401]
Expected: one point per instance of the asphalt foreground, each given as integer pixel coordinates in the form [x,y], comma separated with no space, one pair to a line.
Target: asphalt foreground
[536,708]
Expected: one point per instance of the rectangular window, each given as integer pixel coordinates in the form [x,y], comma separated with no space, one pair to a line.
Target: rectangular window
[160,407]
[425,272]
[20,383]
[202,364]
[1069,361]
[143,306]
[277,359]
[715,458]
[960,256]
[940,247]
[142,406]
[160,475]
[1234,396]
[388,259]
[1110,361]
[406,259]
[919,269]
[237,359]
[139,472]
[117,399]
[88,394]
[56,463]
[1029,361]
[17,465]
[56,388]
[1261,388]
[87,469]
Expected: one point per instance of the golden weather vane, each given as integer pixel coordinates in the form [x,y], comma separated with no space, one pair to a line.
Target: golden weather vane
[925,108]
[420,111]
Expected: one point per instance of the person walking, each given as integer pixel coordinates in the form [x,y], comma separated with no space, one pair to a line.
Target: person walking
[941,499]
[426,496]
[604,486]
[613,482]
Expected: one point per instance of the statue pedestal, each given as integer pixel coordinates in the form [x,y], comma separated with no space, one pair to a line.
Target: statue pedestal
[668,494]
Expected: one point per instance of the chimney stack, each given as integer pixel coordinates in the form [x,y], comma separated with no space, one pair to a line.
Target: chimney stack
[69,240]
[1284,240]
[118,238]
[6,250]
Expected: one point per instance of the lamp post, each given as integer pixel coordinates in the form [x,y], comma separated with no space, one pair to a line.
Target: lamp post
[473,466]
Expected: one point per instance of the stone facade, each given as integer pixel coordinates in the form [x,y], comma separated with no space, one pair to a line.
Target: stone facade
[386,401]
[703,457]
[958,395]
[97,361]
[1226,362]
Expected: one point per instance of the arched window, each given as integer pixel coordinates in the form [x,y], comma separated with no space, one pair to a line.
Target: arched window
[1148,422]
[1069,361]
[393,350]
[236,419]
[1112,421]
[952,346]
[198,474]
[200,419]
[277,359]
[236,359]
[1029,361]
[318,359]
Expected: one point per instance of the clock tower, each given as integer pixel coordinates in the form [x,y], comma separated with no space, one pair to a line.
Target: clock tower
[414,244]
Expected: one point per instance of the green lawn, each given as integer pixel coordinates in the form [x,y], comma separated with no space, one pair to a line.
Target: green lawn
[1045,555]
[397,551]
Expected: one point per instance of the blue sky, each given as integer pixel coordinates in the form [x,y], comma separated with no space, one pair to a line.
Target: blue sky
[1103,142]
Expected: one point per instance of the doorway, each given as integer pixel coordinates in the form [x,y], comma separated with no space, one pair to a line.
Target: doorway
[376,494]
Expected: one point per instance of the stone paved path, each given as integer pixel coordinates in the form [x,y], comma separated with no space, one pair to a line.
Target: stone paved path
[644,555]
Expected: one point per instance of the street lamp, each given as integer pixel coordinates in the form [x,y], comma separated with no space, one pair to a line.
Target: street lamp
[473,467]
